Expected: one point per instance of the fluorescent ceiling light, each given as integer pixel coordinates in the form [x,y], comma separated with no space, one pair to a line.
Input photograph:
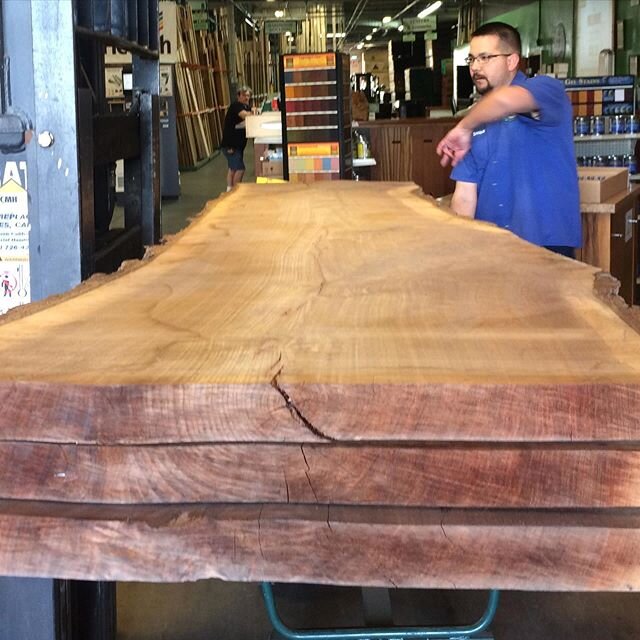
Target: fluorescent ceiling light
[360,45]
[400,27]
[386,20]
[336,35]
[427,11]
[375,30]
[278,13]
[368,36]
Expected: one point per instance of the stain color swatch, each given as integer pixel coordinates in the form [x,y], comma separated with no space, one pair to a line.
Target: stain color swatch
[312,120]
[310,90]
[318,104]
[312,75]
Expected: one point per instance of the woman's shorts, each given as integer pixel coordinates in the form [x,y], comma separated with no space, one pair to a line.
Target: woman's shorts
[234,160]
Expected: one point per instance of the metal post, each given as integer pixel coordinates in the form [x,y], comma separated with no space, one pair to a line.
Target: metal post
[29,609]
[40,69]
[146,81]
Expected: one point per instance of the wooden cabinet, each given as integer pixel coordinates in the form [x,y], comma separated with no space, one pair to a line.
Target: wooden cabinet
[391,146]
[405,151]
[610,239]
[425,167]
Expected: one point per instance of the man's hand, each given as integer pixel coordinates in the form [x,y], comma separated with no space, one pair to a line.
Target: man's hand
[454,146]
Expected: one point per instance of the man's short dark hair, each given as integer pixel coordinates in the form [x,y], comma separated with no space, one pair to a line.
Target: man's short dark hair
[504,31]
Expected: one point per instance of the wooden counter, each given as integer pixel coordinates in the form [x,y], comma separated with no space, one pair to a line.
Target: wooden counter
[337,384]
[405,150]
[610,238]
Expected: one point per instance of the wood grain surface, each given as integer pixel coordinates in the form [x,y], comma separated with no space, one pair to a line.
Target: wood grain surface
[342,385]
[428,548]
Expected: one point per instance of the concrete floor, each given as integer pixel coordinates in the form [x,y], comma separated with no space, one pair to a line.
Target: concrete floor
[215,610]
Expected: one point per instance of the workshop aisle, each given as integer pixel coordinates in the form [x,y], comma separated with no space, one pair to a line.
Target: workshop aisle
[207,183]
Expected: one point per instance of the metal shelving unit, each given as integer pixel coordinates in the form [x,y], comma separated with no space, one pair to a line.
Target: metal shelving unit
[608,144]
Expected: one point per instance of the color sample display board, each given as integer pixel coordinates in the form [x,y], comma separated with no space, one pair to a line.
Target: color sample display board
[316,120]
[601,95]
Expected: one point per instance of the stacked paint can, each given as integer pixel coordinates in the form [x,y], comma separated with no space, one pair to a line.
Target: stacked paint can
[618,125]
[581,126]
[597,126]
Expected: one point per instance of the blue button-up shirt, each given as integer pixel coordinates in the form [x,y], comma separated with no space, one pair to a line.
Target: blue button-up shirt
[525,169]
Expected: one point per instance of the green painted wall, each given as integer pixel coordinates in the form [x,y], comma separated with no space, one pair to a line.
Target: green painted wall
[548,14]
[631,17]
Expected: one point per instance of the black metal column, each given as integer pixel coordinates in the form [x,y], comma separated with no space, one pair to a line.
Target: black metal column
[146,83]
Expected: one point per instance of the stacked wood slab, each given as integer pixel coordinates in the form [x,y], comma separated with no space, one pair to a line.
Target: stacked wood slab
[343,385]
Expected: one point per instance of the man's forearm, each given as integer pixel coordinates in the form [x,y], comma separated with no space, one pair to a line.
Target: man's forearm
[464,205]
[499,104]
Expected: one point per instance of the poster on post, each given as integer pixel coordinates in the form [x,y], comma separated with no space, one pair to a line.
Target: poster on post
[15,289]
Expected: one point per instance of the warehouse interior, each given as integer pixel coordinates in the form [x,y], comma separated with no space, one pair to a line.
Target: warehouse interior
[134,110]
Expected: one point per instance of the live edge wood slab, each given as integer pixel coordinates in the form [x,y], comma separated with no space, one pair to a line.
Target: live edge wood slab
[333,383]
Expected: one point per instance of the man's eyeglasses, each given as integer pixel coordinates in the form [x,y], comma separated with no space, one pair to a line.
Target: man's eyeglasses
[483,58]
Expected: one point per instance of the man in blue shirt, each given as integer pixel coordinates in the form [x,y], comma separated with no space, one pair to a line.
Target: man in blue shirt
[512,154]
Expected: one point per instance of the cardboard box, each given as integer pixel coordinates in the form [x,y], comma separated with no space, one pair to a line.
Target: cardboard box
[598,184]
[272,168]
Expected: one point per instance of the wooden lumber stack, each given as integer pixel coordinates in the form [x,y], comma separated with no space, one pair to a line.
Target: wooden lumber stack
[215,45]
[343,385]
[203,93]
[252,58]
[313,30]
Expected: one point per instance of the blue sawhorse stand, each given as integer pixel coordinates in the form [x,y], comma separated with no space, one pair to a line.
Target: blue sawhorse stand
[468,632]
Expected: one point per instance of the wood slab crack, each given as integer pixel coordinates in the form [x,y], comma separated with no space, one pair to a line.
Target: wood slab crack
[295,412]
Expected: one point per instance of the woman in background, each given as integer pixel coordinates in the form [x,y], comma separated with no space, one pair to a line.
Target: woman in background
[234,137]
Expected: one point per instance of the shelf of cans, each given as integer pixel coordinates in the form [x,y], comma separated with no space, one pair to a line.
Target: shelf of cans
[611,141]
[603,125]
[619,160]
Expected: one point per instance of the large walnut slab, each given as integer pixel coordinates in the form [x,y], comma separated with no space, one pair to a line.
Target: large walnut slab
[327,384]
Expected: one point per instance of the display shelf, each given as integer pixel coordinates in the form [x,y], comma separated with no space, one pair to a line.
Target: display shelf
[311,84]
[606,145]
[601,95]
[607,137]
[314,98]
[364,162]
[316,113]
[314,101]
[311,128]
